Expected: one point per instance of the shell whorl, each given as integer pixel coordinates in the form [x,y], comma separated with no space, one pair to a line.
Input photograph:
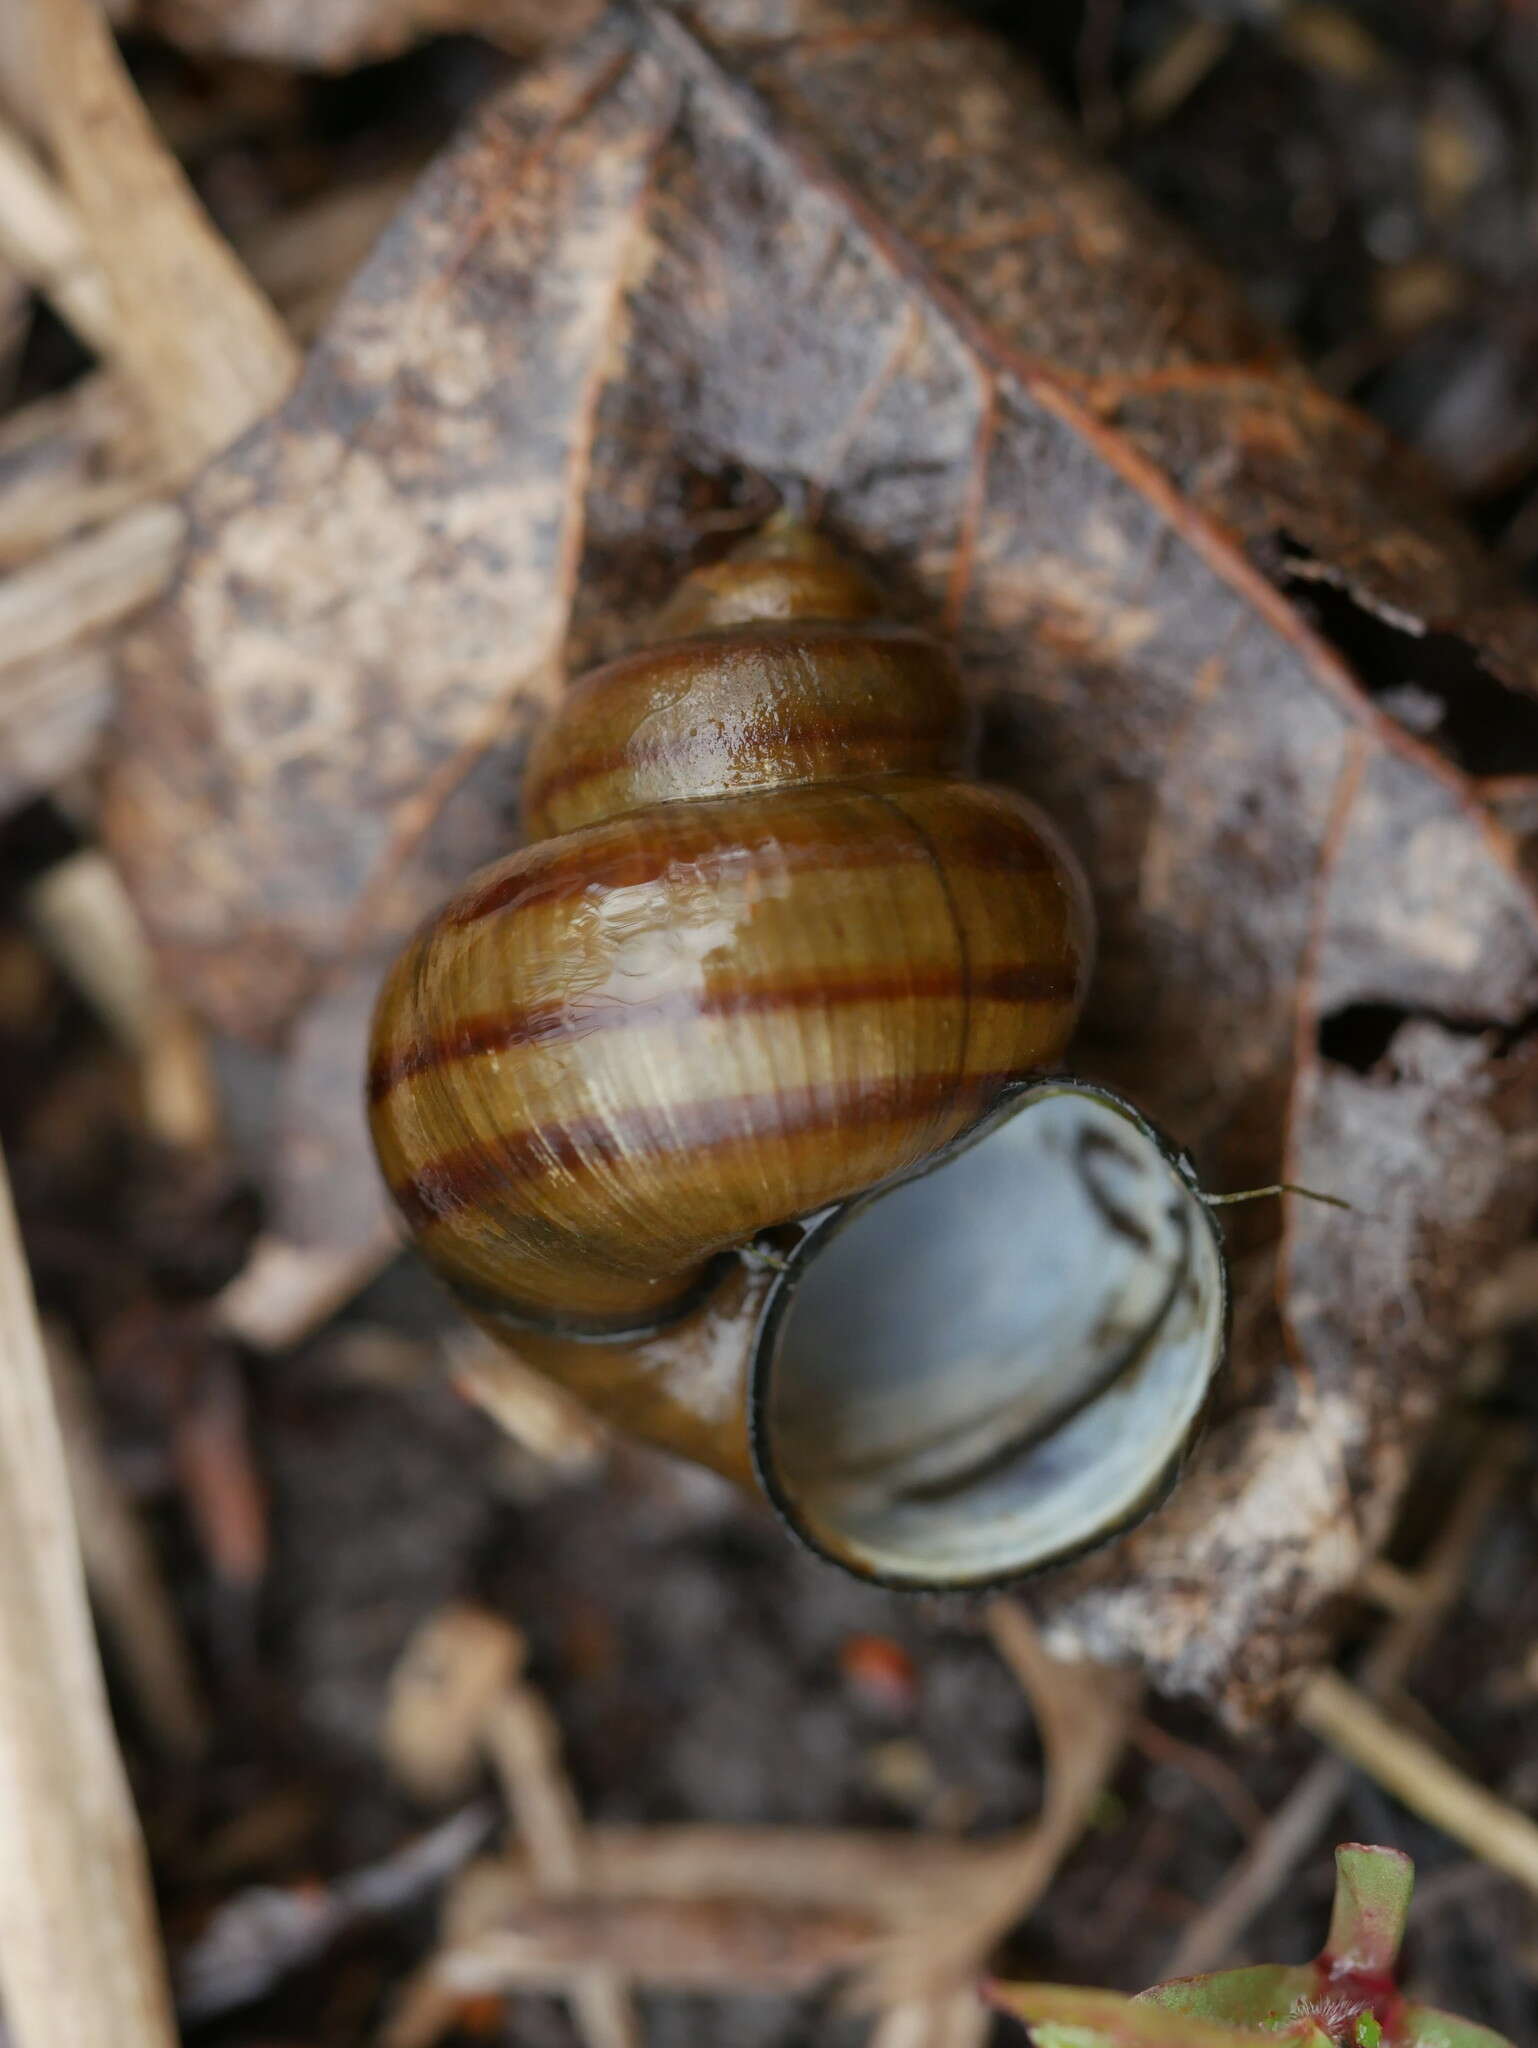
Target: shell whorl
[770,947]
[768,669]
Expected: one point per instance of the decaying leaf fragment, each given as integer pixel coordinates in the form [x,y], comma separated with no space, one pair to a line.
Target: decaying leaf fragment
[687,270]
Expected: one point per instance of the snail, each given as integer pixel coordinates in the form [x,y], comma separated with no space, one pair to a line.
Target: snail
[731,1099]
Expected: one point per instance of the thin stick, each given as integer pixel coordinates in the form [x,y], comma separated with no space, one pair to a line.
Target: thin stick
[285,1292]
[80,1957]
[1420,1777]
[1224,1783]
[53,716]
[69,461]
[87,921]
[1297,1823]
[1173,73]
[86,585]
[727,1946]
[203,348]
[1289,1834]
[120,1567]
[959,2022]
[892,1873]
[525,1748]
[536,1412]
[41,236]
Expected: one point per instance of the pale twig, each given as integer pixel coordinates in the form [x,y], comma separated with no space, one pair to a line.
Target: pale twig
[894,1874]
[305,257]
[125,1581]
[69,461]
[80,1957]
[87,922]
[1176,70]
[86,453]
[55,616]
[1395,1591]
[53,716]
[962,2021]
[533,1410]
[200,344]
[1297,1823]
[525,1749]
[41,237]
[82,588]
[728,1946]
[286,1291]
[447,1679]
[697,1906]
[1288,1836]
[1420,1777]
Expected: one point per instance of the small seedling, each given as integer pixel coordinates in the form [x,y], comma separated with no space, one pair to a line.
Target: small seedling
[1348,1997]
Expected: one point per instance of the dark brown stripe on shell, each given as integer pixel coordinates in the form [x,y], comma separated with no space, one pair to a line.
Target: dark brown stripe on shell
[765,642]
[542,1023]
[447,1186]
[579,867]
[828,735]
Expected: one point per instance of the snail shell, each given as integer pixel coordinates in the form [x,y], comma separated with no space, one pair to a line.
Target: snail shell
[724,1100]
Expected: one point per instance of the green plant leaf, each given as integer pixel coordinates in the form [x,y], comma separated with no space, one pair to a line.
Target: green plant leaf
[1333,2002]
[1064,2016]
[1372,1903]
[1266,1995]
[1424,2027]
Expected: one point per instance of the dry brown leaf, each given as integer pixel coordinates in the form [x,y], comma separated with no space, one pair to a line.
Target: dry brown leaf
[415,512]
[200,345]
[681,271]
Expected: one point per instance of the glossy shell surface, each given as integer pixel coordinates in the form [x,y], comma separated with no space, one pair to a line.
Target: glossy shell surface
[644,1041]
